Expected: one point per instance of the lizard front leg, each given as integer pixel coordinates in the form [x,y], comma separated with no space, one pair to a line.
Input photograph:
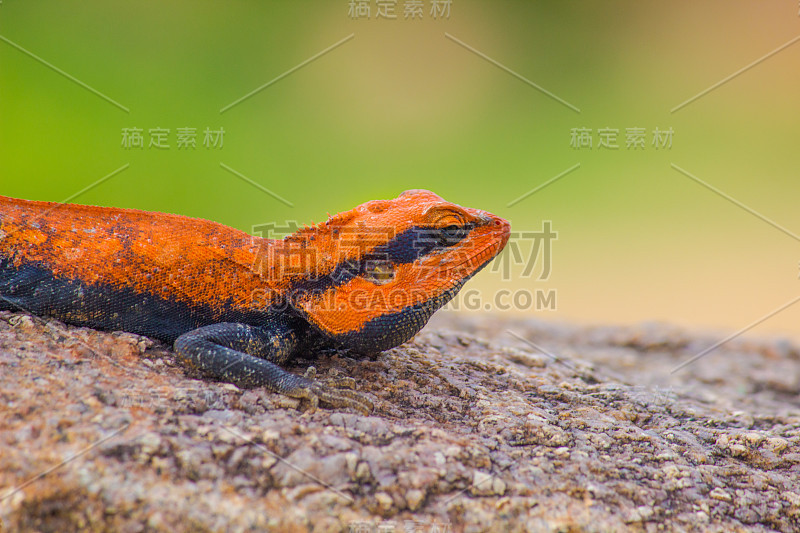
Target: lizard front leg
[247,355]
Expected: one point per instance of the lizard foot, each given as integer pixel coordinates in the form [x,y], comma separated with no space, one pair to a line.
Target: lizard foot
[337,393]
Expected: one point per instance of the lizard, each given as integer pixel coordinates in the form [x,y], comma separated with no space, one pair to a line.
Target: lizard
[239,307]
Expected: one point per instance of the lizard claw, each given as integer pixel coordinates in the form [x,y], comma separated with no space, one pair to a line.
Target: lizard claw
[338,381]
[337,393]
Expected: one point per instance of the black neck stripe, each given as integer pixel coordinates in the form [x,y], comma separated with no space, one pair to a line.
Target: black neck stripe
[406,247]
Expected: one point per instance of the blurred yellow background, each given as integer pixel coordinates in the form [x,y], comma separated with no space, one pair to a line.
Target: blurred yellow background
[454,103]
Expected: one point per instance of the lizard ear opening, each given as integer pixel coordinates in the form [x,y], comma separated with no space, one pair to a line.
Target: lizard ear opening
[378,271]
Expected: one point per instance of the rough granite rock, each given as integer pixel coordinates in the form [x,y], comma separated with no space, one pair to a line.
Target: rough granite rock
[475,429]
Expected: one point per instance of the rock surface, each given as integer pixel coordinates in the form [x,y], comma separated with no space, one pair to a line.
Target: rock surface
[481,424]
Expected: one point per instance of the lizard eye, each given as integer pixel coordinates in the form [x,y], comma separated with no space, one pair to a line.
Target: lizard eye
[378,271]
[450,235]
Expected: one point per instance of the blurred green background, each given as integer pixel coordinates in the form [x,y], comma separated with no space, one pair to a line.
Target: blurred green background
[401,105]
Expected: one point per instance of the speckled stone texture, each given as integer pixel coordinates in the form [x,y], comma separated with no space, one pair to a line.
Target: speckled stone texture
[474,430]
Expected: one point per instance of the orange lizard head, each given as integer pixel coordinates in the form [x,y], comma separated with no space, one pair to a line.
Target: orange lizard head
[378,272]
